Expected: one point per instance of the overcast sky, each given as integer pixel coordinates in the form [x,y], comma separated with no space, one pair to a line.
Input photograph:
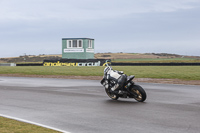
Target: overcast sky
[135,26]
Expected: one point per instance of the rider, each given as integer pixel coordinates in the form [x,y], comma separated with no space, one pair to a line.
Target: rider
[118,76]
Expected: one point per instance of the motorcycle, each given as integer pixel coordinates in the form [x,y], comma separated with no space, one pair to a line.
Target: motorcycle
[128,90]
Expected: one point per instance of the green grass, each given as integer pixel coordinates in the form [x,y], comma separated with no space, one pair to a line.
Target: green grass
[13,126]
[170,72]
[159,60]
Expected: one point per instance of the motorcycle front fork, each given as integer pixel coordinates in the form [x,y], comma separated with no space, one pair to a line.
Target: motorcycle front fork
[128,87]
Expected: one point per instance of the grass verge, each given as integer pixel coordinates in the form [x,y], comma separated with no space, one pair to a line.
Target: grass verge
[164,72]
[13,126]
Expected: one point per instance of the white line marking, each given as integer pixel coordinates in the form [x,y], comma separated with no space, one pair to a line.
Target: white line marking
[34,123]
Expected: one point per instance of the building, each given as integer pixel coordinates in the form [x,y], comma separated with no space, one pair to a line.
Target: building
[77,48]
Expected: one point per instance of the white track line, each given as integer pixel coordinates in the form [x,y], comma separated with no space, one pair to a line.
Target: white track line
[34,123]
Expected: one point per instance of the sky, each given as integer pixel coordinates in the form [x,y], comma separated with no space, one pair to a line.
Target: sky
[34,27]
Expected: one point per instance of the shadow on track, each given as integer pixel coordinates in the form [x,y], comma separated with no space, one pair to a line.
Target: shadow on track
[124,102]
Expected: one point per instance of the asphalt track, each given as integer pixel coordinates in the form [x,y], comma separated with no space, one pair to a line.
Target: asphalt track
[81,106]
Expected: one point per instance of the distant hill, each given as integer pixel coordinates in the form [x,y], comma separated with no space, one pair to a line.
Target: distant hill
[140,56]
[116,57]
[30,58]
[147,58]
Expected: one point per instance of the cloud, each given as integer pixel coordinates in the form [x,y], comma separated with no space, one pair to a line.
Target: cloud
[38,25]
[37,10]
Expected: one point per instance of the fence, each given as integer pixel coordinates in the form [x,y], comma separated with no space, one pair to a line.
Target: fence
[7,64]
[155,64]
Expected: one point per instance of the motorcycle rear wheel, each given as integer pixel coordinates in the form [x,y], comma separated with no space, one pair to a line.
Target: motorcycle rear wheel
[112,96]
[141,94]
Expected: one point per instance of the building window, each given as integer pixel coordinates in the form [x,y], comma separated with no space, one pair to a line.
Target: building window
[90,44]
[69,43]
[80,43]
[74,43]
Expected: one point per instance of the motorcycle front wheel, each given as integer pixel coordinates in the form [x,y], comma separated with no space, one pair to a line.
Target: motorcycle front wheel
[139,91]
[112,96]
